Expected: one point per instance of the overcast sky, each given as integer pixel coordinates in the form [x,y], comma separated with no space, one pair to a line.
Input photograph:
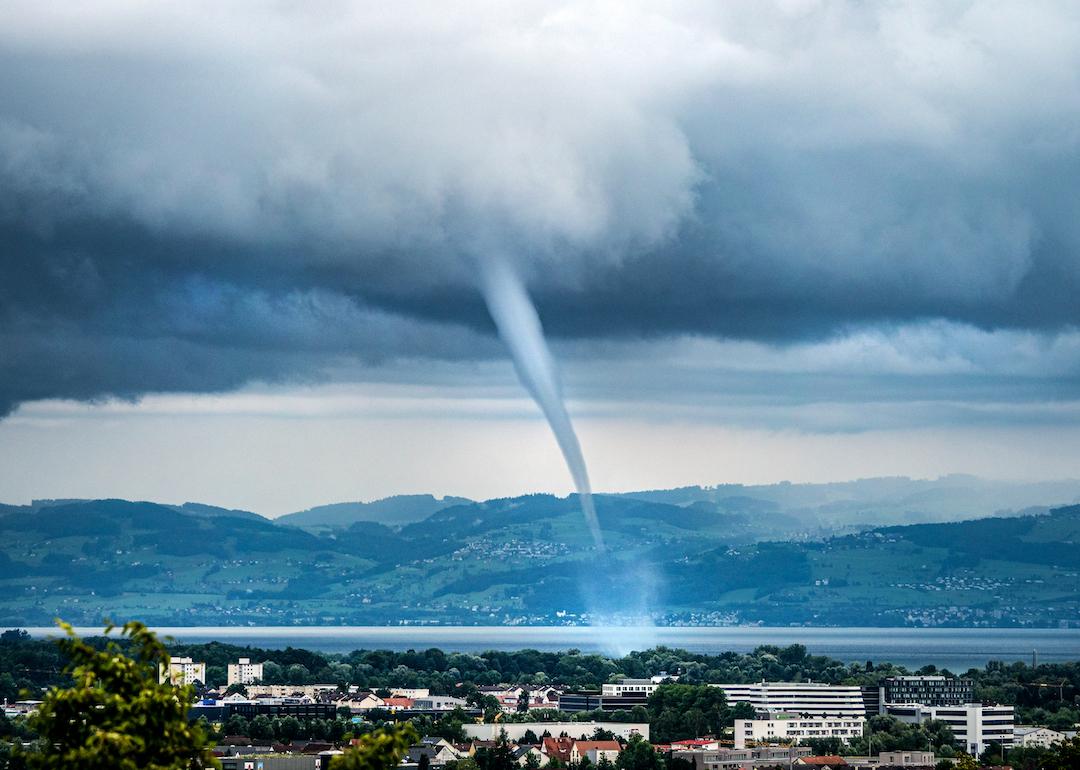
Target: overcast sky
[803,240]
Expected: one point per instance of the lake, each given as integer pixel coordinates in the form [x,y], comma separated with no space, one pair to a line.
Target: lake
[954,648]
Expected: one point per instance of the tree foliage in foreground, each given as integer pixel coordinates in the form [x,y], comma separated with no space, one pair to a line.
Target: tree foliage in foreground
[115,715]
[380,750]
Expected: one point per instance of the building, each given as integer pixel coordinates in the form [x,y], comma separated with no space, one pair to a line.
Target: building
[907,759]
[644,686]
[182,671]
[221,710]
[439,703]
[736,759]
[782,728]
[595,751]
[974,725]
[515,731]
[1042,737]
[409,692]
[810,698]
[573,702]
[245,672]
[822,763]
[312,691]
[438,751]
[928,690]
[319,761]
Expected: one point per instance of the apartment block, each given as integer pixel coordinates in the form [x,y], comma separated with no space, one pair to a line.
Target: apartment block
[245,672]
[782,728]
[182,671]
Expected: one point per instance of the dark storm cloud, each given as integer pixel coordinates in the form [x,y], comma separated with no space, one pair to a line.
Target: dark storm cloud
[194,197]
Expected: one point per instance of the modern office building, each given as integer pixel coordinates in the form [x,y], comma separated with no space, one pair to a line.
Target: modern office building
[572,702]
[781,728]
[182,671]
[644,687]
[221,710]
[974,725]
[810,698]
[245,672]
[928,690]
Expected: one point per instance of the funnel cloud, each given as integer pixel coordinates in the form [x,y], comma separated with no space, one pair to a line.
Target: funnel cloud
[519,326]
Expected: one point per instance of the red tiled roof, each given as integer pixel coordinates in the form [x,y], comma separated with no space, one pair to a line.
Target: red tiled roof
[584,747]
[832,761]
[558,747]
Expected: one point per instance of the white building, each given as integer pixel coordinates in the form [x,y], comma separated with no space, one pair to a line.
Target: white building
[515,731]
[409,692]
[1030,735]
[182,671]
[974,725]
[245,672]
[439,703]
[799,698]
[796,728]
[626,686]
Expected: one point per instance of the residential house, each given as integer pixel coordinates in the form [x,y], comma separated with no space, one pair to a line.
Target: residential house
[595,751]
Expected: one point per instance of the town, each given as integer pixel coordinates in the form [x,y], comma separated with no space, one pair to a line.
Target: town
[467,714]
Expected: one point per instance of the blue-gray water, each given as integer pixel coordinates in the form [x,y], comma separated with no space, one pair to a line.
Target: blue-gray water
[955,648]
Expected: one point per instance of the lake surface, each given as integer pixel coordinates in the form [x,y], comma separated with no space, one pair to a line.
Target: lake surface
[954,648]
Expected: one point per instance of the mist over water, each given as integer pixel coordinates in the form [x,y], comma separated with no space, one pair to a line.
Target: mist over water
[520,328]
[618,594]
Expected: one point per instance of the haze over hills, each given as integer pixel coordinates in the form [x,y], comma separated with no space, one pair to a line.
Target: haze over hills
[820,508]
[399,509]
[723,555]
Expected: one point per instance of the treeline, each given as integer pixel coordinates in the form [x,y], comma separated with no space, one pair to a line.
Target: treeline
[1048,694]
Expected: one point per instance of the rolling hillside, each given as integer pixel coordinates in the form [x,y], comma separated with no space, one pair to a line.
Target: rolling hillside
[529,560]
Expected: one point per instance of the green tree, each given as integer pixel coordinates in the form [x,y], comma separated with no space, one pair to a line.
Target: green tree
[1064,755]
[679,711]
[965,762]
[287,729]
[116,716]
[261,728]
[823,746]
[236,724]
[380,750]
[638,754]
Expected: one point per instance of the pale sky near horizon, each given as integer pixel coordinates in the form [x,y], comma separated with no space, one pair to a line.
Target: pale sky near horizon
[802,239]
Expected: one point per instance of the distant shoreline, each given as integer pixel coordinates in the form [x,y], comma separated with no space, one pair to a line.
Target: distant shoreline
[953,648]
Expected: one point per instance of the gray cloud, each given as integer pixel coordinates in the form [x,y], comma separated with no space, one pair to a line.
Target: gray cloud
[193,197]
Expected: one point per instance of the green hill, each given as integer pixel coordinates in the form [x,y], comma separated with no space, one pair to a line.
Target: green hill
[399,509]
[530,560]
